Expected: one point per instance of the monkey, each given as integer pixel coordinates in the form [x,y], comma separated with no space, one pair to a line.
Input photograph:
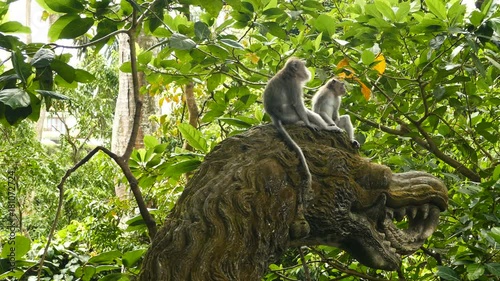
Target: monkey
[326,102]
[283,102]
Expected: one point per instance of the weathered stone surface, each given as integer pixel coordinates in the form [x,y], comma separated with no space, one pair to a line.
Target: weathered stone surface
[235,215]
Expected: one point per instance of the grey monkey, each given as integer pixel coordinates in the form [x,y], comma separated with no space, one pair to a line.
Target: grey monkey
[283,102]
[326,102]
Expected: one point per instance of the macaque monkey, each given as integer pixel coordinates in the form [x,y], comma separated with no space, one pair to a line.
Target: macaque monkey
[284,103]
[326,102]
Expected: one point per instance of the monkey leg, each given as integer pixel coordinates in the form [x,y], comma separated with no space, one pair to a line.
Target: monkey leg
[345,123]
[317,120]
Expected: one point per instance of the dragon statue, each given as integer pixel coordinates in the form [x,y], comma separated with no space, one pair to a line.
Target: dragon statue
[238,212]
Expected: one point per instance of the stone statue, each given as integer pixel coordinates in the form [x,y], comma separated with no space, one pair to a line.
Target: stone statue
[238,212]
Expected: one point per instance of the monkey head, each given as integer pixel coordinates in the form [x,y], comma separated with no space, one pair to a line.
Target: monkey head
[297,68]
[336,86]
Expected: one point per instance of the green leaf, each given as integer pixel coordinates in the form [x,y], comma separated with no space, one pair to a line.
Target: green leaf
[193,136]
[14,26]
[493,268]
[182,167]
[145,57]
[15,98]
[22,69]
[150,141]
[474,271]
[213,7]
[367,57]
[42,58]
[181,42]
[214,81]
[114,277]
[132,257]
[201,31]
[236,122]
[317,42]
[69,27]
[18,247]
[156,20]
[106,257]
[496,173]
[275,29]
[232,43]
[218,51]
[447,273]
[64,6]
[52,94]
[386,10]
[325,24]
[66,71]
[126,67]
[83,76]
[438,8]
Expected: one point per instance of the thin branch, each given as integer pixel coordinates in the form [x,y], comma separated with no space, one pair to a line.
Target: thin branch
[60,186]
[433,254]
[92,43]
[335,264]
[304,265]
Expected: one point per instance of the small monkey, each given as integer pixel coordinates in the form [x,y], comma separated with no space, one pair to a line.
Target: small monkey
[284,103]
[326,102]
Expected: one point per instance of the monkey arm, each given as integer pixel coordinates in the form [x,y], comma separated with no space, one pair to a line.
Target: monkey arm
[327,118]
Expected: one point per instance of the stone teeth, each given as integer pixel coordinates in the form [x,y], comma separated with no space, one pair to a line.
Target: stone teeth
[412,212]
[425,210]
[389,214]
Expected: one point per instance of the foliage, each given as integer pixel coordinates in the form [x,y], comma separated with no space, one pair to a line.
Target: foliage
[423,81]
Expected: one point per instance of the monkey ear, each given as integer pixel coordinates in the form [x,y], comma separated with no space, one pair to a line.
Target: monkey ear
[331,84]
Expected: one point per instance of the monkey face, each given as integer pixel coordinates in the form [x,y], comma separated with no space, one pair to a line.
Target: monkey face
[298,68]
[337,86]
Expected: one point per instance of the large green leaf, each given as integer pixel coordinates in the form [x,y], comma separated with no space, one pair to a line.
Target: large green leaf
[232,43]
[14,26]
[18,247]
[64,6]
[132,257]
[181,42]
[193,137]
[201,30]
[474,271]
[69,27]
[106,257]
[52,94]
[66,71]
[213,7]
[42,58]
[438,8]
[182,167]
[15,98]
[22,69]
[493,268]
[447,273]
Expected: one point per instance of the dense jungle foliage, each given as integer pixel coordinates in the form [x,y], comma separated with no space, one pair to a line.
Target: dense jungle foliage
[423,93]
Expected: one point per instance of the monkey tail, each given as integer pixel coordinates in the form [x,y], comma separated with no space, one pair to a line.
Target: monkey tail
[298,150]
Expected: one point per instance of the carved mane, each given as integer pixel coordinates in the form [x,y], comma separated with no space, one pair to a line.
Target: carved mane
[234,217]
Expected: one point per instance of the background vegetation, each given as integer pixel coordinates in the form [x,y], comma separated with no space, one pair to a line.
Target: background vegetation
[424,91]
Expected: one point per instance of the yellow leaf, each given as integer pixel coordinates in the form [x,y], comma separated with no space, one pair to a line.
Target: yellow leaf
[342,63]
[342,75]
[367,93]
[380,64]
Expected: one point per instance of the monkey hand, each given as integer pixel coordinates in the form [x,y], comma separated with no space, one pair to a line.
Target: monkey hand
[334,128]
[313,127]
